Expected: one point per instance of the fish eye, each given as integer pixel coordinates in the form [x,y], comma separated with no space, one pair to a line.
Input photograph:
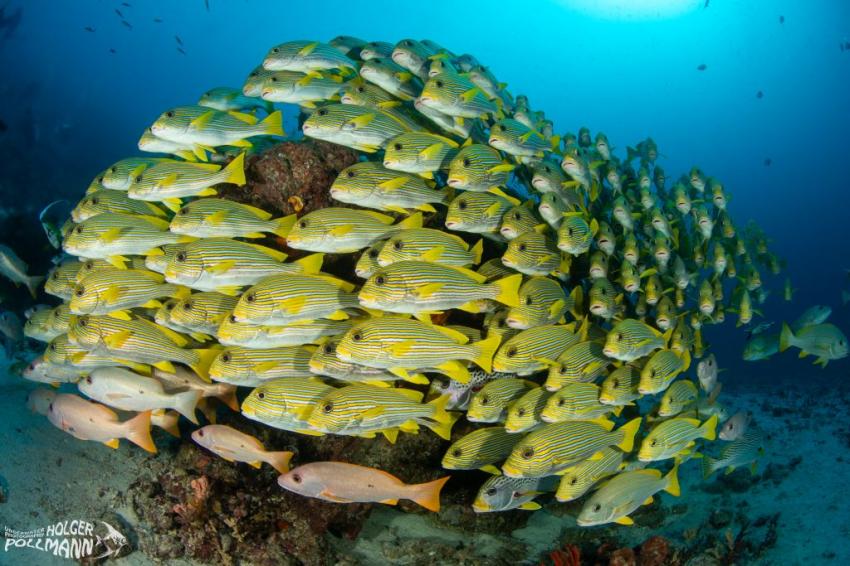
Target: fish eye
[187,306]
[170,306]
[653,443]
[521,247]
[296,478]
[561,401]
[520,412]
[461,204]
[350,174]
[327,408]
[83,322]
[53,347]
[169,114]
[529,301]
[397,146]
[491,491]
[570,231]
[439,84]
[373,253]
[251,297]
[200,432]
[225,357]
[78,229]
[261,395]
[138,179]
[181,257]
[328,349]
[232,318]
[113,169]
[302,224]
[183,211]
[485,400]
[398,245]
[528,453]
[615,383]
[274,79]
[466,162]
[275,50]
[597,507]
[361,89]
[517,216]
[357,337]
[95,201]
[457,452]
[380,280]
[55,275]
[619,336]
[574,481]
[51,405]
[80,291]
[501,127]
[511,352]
[322,112]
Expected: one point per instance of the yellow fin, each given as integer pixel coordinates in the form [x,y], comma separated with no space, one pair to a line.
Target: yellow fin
[399,349]
[202,120]
[112,443]
[455,335]
[393,184]
[625,520]
[491,469]
[116,341]
[221,267]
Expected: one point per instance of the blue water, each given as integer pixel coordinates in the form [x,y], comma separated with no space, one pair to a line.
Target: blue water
[72,106]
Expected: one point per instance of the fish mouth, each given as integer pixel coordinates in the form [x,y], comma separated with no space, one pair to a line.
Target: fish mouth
[450,224]
[609,352]
[584,522]
[480,507]
[453,181]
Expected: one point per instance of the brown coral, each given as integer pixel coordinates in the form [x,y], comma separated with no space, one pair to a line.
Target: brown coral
[654,552]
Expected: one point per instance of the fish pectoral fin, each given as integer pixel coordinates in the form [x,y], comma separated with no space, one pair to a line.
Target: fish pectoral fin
[530,506]
[264,367]
[293,305]
[373,412]
[112,234]
[202,120]
[399,349]
[341,230]
[220,267]
[391,434]
[428,290]
[117,340]
[393,184]
[433,254]
[327,495]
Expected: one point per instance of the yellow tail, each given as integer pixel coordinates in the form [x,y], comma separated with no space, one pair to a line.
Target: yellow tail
[279,461]
[672,486]
[167,421]
[486,350]
[235,170]
[708,429]
[273,124]
[139,431]
[282,226]
[205,360]
[629,430]
[311,264]
[477,250]
[428,494]
[507,289]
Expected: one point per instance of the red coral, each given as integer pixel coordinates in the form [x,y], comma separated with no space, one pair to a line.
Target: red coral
[654,551]
[623,557]
[195,505]
[570,555]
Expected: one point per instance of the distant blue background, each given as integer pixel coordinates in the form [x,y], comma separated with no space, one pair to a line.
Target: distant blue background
[73,108]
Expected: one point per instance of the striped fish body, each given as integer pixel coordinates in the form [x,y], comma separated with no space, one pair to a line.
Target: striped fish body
[479,213]
[252,367]
[575,402]
[306,56]
[62,352]
[232,333]
[152,144]
[581,362]
[620,387]
[38,326]
[367,263]
[280,403]
[551,209]
[344,230]
[253,86]
[391,77]
[532,254]
[674,437]
[120,175]
[744,451]
[376,49]
[518,220]
[556,446]
[501,493]
[280,300]
[222,218]
[547,178]
[524,413]
[417,286]
[631,339]
[661,369]
[223,264]
[622,494]
[225,98]
[534,349]
[370,185]
[58,319]
[677,398]
[580,478]
[408,344]
[62,279]
[481,448]
[361,93]
[427,244]
[602,298]
[162,317]
[478,168]
[542,301]
[110,289]
[455,95]
[490,403]
[209,127]
[203,312]
[166,181]
[575,235]
[114,234]
[360,409]
[359,127]
[415,56]
[419,153]
[107,200]
[157,262]
[298,88]
[514,137]
[326,362]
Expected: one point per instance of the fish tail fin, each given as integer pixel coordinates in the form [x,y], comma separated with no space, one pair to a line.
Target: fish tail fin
[139,431]
[486,350]
[786,338]
[412,221]
[273,124]
[507,289]
[282,226]
[229,398]
[235,170]
[672,483]
[33,283]
[444,420]
[185,403]
[205,360]
[707,467]
[279,460]
[428,494]
[477,251]
[168,422]
[628,432]
[708,429]
[311,264]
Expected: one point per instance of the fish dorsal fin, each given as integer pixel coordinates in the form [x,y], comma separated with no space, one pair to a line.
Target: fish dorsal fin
[175,337]
[382,218]
[455,335]
[307,49]
[153,220]
[411,394]
[247,118]
[202,120]
[344,285]
[477,277]
[274,254]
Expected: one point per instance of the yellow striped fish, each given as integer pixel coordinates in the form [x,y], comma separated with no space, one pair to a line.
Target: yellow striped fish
[582,362]
[61,351]
[602,299]
[58,319]
[157,261]
[203,312]
[107,200]
[224,265]
[575,234]
[362,410]
[251,367]
[490,403]
[232,333]
[421,153]
[524,413]
[533,254]
[391,77]
[287,299]
[360,127]
[534,349]
[367,263]
[326,362]
[479,213]
[580,478]
[359,92]
[370,185]
[576,402]
[427,244]
[401,344]
[501,493]
[344,230]
[455,95]
[675,437]
[280,403]
[253,85]
[222,218]
[478,168]
[661,369]
[211,128]
[112,235]
[305,56]
[480,449]
[625,492]
[138,340]
[677,398]
[620,387]
[62,279]
[494,269]
[557,446]
[110,289]
[515,138]
[422,287]
[300,88]
[744,451]
[38,325]
[542,301]
[631,339]
[519,220]
[121,174]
